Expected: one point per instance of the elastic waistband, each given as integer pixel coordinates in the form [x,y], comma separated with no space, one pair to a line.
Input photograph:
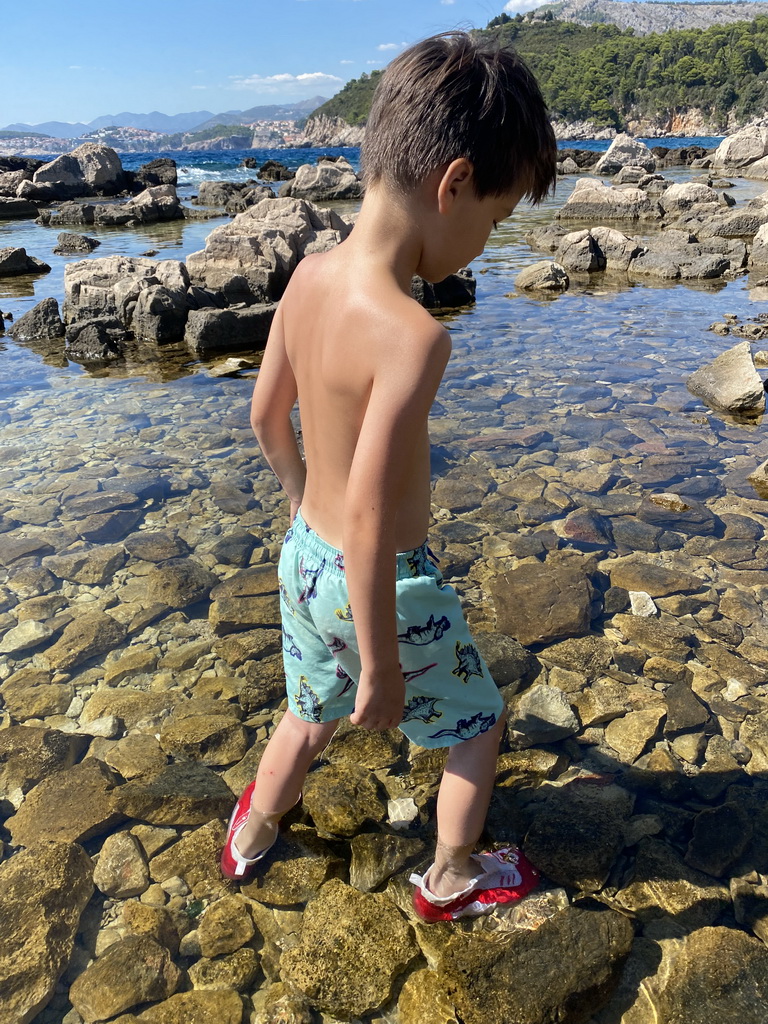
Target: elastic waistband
[417,562]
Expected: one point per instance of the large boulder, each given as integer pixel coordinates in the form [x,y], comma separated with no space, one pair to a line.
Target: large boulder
[683,195]
[324,181]
[252,258]
[17,209]
[454,291]
[759,255]
[730,382]
[742,148]
[111,285]
[592,200]
[229,330]
[625,151]
[544,276]
[43,891]
[91,169]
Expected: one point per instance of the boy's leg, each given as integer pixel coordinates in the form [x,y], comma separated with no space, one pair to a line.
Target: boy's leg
[462,805]
[285,762]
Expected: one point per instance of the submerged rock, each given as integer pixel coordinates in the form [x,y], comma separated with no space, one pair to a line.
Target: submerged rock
[546,275]
[352,947]
[43,891]
[535,603]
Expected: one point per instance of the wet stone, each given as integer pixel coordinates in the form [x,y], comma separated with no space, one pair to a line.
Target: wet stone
[179,583]
[133,971]
[121,870]
[184,793]
[211,739]
[571,964]
[351,949]
[223,1006]
[155,922]
[667,638]
[29,754]
[684,709]
[342,799]
[39,923]
[720,836]
[88,635]
[225,926]
[508,661]
[423,1001]
[661,884]
[155,545]
[542,714]
[195,858]
[32,698]
[535,604]
[653,579]
[92,566]
[237,971]
[629,736]
[376,857]
[70,806]
[24,637]
[294,873]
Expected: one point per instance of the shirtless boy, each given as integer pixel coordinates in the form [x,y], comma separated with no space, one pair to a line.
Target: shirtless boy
[457,135]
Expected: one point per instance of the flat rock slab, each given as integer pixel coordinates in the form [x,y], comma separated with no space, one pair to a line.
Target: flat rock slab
[224,1006]
[730,382]
[563,971]
[195,858]
[351,949]
[294,873]
[70,806]
[29,754]
[342,798]
[43,891]
[653,579]
[87,636]
[185,793]
[538,603]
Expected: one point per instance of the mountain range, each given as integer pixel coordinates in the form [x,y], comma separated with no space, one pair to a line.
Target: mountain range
[197,120]
[645,18]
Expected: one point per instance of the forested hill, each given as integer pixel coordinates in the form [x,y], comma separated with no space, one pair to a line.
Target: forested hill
[609,76]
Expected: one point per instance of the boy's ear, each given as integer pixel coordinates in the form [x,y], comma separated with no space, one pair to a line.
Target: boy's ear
[455,179]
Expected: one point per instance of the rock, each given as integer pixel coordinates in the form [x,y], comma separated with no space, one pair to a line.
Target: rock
[587,527]
[510,664]
[662,885]
[184,793]
[641,603]
[132,971]
[720,836]
[570,963]
[29,754]
[630,735]
[121,870]
[252,258]
[625,151]
[591,200]
[99,340]
[89,169]
[683,195]
[110,286]
[376,857]
[351,949]
[759,479]
[545,275]
[179,582]
[536,604]
[39,923]
[580,253]
[300,865]
[684,709]
[68,243]
[742,148]
[92,565]
[453,292]
[652,578]
[224,1006]
[25,636]
[541,714]
[210,331]
[730,382]
[342,799]
[759,255]
[195,858]
[236,971]
[601,702]
[617,249]
[211,739]
[272,170]
[70,806]
[36,697]
[161,171]
[42,321]
[225,926]
[718,974]
[575,839]
[14,261]
[88,635]
[133,707]
[17,209]
[324,182]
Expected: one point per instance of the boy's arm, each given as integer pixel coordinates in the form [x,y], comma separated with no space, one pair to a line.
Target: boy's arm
[402,392]
[274,397]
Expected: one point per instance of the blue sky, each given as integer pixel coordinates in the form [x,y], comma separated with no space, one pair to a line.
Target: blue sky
[74,60]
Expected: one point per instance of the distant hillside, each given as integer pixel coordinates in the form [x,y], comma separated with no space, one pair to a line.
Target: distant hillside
[657,16]
[274,112]
[154,122]
[56,129]
[617,79]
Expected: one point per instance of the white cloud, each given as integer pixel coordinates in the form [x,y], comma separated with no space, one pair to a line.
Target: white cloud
[346,62]
[285,82]
[388,46]
[521,6]
[75,67]
[373,62]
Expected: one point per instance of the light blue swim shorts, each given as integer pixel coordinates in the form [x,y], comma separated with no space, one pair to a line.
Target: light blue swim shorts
[450,695]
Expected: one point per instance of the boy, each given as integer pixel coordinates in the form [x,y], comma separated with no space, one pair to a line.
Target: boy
[458,134]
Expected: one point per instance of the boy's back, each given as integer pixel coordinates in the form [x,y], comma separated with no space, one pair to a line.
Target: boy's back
[354,341]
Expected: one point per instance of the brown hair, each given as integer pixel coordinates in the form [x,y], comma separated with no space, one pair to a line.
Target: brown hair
[454,96]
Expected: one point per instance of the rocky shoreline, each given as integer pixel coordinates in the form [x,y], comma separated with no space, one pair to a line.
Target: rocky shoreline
[622,613]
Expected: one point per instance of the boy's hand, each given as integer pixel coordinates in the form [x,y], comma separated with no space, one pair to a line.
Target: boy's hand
[380,700]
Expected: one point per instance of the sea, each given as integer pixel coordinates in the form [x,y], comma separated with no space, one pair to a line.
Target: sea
[609,357]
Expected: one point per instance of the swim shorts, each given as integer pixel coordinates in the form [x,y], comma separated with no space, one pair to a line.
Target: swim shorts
[450,695]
